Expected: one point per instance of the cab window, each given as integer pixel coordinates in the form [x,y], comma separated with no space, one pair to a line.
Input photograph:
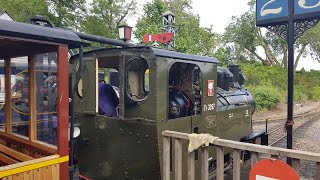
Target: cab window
[108,86]
[184,90]
[137,86]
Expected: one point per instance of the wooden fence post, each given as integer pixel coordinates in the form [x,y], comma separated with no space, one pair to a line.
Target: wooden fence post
[296,165]
[236,164]
[204,152]
[318,171]
[220,163]
[178,159]
[166,158]
[191,166]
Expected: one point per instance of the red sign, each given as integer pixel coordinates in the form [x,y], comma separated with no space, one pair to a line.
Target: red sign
[210,87]
[270,169]
[162,38]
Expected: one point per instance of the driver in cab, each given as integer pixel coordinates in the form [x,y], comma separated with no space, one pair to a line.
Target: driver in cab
[108,100]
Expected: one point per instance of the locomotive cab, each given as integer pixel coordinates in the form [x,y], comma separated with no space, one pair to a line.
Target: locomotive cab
[143,92]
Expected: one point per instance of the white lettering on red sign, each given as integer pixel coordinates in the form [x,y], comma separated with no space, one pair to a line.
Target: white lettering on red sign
[210,89]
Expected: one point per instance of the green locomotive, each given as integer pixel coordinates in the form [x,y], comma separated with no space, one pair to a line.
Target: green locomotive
[150,90]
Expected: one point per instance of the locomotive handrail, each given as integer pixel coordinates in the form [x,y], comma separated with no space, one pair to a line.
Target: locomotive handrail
[237,147]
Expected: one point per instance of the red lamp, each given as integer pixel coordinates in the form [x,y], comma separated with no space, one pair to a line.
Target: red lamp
[124,32]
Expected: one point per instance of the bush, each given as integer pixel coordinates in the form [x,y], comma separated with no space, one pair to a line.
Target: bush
[300,94]
[314,93]
[266,97]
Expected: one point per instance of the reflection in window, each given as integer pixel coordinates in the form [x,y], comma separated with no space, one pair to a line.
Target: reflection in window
[184,90]
[46,88]
[20,96]
[46,96]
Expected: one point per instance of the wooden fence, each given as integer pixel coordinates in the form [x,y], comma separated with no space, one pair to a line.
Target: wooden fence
[237,147]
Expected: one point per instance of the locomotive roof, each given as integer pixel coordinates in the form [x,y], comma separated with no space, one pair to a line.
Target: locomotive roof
[160,53]
[35,32]
[178,55]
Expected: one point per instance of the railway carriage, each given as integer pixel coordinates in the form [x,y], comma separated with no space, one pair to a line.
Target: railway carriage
[31,146]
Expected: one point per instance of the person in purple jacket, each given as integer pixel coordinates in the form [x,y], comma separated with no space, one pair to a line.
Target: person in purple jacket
[108,100]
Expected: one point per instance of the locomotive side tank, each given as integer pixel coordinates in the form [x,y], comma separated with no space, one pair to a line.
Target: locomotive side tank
[157,90]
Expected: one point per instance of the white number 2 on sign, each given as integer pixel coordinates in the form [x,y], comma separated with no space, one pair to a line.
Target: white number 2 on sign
[302,4]
[265,11]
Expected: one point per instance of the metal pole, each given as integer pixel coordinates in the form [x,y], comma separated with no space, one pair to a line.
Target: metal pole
[102,40]
[290,37]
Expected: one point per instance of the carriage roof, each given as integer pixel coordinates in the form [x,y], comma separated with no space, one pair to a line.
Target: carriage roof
[34,33]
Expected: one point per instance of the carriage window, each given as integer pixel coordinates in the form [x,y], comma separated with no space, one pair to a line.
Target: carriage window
[20,96]
[46,97]
[136,80]
[184,90]
[45,84]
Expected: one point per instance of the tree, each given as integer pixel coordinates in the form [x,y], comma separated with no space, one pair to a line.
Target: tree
[62,13]
[67,14]
[106,15]
[243,33]
[21,10]
[190,37]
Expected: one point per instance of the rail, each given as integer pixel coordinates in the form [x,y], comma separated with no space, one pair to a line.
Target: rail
[219,144]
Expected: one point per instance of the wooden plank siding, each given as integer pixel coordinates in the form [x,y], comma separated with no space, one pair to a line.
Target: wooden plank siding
[237,147]
[46,168]
[45,173]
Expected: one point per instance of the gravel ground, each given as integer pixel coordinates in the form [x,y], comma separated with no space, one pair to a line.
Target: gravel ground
[307,138]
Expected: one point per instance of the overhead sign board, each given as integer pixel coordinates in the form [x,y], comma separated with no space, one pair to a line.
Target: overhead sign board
[270,169]
[277,11]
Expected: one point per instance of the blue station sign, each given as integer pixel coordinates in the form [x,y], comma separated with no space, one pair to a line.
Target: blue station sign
[277,11]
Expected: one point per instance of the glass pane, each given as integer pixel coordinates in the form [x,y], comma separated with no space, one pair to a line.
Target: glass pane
[20,95]
[46,88]
[2,95]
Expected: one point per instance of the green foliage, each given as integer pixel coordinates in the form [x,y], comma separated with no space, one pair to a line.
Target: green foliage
[62,13]
[266,97]
[314,93]
[274,79]
[299,94]
[66,13]
[106,15]
[21,10]
[190,37]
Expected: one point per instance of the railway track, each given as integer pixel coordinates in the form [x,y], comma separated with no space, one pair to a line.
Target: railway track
[279,133]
